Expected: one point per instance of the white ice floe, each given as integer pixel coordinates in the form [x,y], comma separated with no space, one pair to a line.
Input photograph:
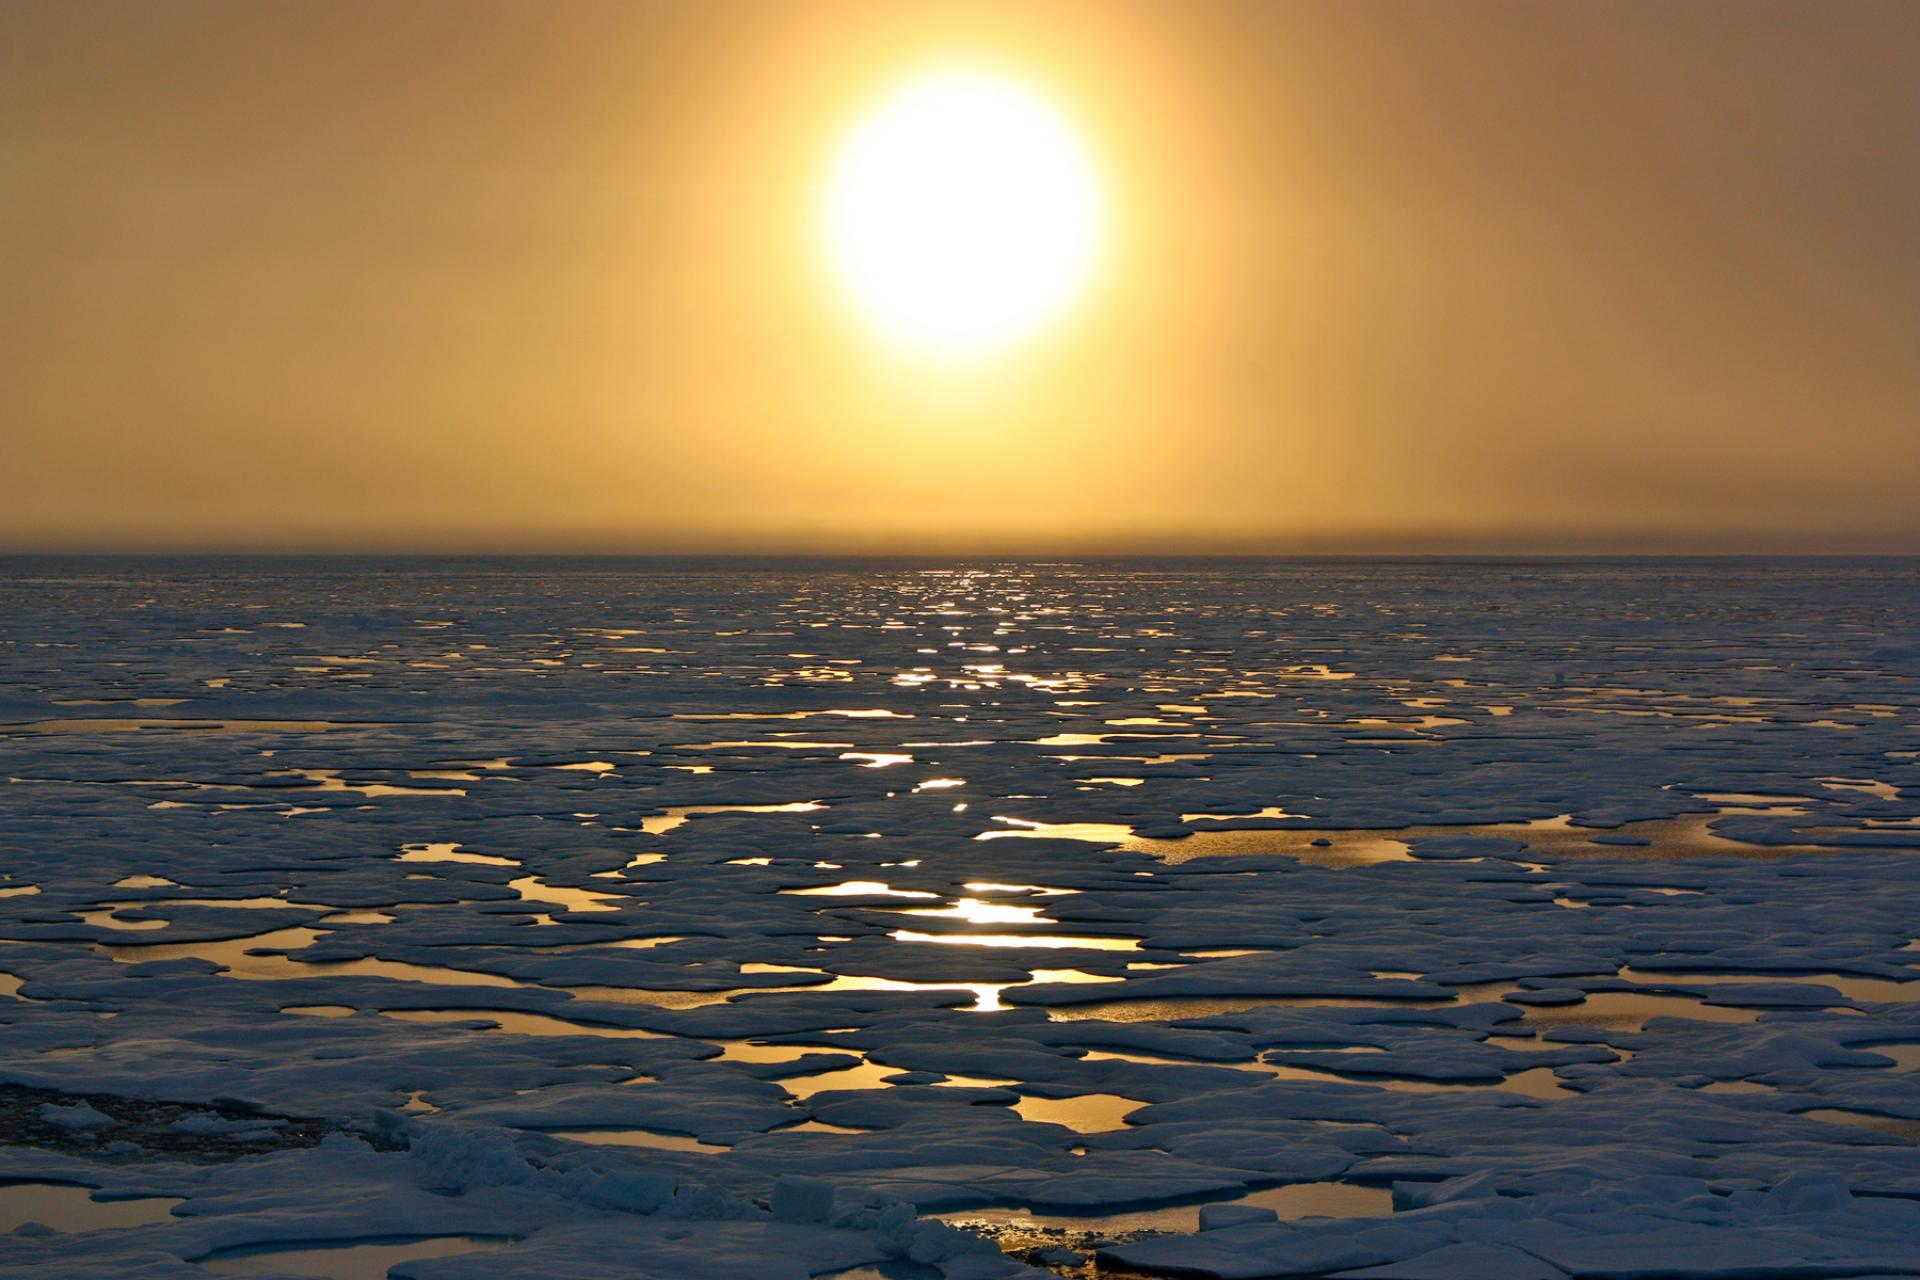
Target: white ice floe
[576,935]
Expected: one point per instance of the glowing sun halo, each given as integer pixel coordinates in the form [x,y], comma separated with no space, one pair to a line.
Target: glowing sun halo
[962,214]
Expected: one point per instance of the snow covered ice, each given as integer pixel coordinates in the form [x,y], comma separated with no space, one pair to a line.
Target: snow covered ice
[702,919]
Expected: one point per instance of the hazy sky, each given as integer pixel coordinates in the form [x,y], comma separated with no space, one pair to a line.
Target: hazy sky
[493,274]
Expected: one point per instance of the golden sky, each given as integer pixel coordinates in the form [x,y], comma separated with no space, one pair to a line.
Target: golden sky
[500,275]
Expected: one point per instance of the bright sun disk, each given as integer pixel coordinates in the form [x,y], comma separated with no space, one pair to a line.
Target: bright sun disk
[963,213]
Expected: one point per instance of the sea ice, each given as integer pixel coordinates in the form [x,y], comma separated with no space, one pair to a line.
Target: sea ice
[1588,951]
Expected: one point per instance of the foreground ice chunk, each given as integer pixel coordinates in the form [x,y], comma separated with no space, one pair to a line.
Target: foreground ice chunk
[801,1199]
[1811,1191]
[1214,1217]
[454,1159]
[1462,1262]
[79,1117]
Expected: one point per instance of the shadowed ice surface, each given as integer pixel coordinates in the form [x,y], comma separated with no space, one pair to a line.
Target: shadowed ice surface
[528,918]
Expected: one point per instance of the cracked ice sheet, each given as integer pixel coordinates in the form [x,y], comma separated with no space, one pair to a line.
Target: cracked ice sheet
[1574,904]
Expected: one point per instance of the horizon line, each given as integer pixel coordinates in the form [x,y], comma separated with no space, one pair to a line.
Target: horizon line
[803,542]
[1034,555]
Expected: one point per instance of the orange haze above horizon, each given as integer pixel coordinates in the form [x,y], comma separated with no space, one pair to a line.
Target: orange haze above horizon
[1489,275]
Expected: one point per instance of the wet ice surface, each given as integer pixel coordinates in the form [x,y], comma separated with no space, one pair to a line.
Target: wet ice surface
[540,918]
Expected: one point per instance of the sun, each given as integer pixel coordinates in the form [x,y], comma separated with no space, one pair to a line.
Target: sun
[963,213]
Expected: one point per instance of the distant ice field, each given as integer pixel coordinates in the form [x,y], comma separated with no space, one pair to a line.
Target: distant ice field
[691,918]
